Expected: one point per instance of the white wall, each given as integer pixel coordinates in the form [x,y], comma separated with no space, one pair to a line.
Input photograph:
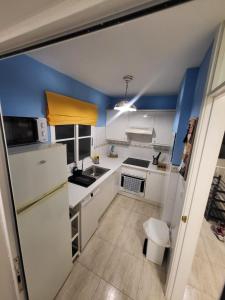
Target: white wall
[140,152]
[102,147]
[169,208]
[176,215]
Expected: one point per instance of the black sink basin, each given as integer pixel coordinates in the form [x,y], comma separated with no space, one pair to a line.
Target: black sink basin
[82,180]
[95,171]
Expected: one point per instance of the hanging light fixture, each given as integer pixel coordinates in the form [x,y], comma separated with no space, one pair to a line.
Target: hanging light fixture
[124,104]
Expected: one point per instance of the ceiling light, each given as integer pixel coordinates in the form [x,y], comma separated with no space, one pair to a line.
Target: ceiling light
[124,104]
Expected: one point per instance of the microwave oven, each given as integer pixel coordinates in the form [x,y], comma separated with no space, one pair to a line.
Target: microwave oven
[24,130]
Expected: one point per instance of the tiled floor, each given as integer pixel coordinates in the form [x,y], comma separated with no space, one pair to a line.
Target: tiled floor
[208,270]
[112,266]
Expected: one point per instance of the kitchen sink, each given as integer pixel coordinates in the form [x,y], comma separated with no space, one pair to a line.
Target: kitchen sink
[95,171]
[82,180]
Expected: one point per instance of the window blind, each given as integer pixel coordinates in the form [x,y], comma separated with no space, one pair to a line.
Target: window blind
[64,110]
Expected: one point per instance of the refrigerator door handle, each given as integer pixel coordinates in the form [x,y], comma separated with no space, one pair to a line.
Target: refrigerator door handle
[43,198]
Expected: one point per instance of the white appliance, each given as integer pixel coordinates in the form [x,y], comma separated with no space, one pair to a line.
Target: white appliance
[133,184]
[25,130]
[39,181]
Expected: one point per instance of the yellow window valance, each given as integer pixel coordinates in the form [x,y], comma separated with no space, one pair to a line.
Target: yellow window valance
[64,110]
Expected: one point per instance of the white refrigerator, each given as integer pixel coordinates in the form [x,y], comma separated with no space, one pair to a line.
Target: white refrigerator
[39,182]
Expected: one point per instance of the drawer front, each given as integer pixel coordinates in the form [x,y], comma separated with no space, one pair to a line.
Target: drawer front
[134,172]
[36,173]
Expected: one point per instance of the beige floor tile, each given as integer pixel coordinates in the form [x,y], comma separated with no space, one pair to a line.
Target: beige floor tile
[201,249]
[132,241]
[157,212]
[105,291]
[144,208]
[136,221]
[192,293]
[117,214]
[151,283]
[124,202]
[215,250]
[96,254]
[218,272]
[208,268]
[205,229]
[81,284]
[109,230]
[123,271]
[202,277]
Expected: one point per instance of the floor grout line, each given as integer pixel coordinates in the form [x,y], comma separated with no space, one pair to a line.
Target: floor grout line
[115,245]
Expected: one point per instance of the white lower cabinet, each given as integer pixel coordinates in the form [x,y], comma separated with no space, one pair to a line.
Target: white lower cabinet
[155,185]
[89,219]
[95,204]
[116,182]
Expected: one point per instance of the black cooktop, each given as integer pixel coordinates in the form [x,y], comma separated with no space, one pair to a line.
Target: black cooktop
[137,162]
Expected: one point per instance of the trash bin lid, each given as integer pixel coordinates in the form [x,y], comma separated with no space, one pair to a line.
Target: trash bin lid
[157,231]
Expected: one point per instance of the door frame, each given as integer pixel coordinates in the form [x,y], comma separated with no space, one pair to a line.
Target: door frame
[194,207]
[13,266]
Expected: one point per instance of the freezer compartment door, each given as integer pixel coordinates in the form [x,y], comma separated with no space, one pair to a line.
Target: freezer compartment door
[45,238]
[36,173]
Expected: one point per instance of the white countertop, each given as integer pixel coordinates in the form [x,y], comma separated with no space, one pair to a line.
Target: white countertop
[77,193]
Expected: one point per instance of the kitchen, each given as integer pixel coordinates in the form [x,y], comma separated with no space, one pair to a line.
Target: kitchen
[114,163]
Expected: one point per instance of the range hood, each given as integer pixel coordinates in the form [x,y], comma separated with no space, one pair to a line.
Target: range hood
[145,131]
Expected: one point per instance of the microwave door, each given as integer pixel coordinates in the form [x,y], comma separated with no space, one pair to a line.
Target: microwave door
[20,130]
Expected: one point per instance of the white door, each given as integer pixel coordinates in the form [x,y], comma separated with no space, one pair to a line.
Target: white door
[194,192]
[45,233]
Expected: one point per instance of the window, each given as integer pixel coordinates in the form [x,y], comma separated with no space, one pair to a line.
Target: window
[77,139]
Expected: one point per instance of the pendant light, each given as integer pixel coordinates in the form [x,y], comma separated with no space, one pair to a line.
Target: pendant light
[124,104]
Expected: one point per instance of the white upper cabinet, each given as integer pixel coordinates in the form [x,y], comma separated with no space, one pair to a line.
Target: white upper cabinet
[162,133]
[160,122]
[141,119]
[116,126]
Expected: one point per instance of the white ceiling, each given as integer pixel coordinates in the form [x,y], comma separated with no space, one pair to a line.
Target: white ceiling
[12,13]
[156,49]
[29,22]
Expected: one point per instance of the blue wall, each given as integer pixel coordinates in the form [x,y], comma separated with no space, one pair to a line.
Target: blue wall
[183,111]
[200,84]
[189,103]
[23,82]
[150,102]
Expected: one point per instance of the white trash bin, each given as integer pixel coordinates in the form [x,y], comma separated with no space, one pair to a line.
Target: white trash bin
[158,236]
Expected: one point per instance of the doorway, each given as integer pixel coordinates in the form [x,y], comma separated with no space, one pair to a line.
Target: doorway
[207,275]
[215,108]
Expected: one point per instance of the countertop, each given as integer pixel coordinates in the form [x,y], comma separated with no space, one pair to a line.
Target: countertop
[78,193]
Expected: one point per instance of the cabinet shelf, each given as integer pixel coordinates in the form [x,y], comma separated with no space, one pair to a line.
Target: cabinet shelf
[74,237]
[74,217]
[75,231]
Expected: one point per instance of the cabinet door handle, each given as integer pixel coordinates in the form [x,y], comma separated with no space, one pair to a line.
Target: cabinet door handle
[41,162]
[94,193]
[85,202]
